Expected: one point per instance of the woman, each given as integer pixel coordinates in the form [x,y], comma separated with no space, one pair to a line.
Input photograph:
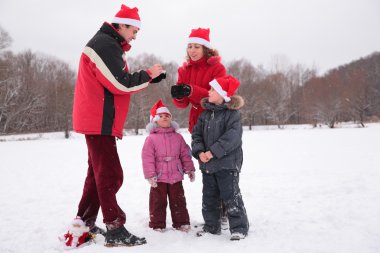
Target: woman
[202,66]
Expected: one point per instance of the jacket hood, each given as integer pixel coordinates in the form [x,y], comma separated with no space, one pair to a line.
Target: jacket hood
[153,127]
[236,103]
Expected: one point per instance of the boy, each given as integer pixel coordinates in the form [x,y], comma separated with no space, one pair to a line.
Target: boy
[217,144]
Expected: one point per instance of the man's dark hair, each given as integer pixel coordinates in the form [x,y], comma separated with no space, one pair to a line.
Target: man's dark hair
[117,26]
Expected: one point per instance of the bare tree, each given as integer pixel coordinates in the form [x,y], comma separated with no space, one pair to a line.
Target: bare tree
[324,100]
[357,95]
[56,80]
[20,102]
[247,75]
[275,101]
[36,94]
[5,39]
[297,76]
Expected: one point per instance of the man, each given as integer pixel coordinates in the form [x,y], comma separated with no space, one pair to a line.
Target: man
[101,104]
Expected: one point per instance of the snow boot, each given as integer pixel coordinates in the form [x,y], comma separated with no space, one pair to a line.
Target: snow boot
[205,231]
[120,237]
[201,233]
[236,236]
[97,231]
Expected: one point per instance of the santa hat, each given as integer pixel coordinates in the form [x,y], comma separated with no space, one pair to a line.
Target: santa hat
[127,16]
[78,221]
[158,108]
[225,86]
[200,36]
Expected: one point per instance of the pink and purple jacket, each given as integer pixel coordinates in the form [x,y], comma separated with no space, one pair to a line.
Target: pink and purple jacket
[166,155]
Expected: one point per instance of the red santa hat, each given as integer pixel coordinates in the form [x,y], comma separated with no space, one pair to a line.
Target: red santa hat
[127,16]
[200,36]
[225,86]
[158,108]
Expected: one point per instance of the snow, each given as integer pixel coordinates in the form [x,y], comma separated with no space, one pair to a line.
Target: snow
[305,190]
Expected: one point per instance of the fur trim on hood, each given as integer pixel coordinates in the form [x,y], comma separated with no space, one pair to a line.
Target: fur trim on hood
[152,125]
[236,103]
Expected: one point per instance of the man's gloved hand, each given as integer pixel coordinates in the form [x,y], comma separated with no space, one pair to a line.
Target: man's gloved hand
[180,90]
[153,181]
[159,78]
[191,175]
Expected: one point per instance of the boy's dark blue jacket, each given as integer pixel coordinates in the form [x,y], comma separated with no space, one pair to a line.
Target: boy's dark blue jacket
[219,130]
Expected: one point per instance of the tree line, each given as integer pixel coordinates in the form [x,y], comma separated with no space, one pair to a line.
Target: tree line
[36,92]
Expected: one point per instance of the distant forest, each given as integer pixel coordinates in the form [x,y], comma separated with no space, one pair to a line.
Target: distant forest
[36,92]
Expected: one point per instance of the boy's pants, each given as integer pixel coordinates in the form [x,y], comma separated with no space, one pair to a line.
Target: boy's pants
[177,202]
[104,179]
[223,185]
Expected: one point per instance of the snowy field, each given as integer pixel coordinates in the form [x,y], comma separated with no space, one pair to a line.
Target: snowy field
[305,190]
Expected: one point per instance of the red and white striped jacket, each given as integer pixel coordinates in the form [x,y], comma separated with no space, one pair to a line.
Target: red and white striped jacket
[104,86]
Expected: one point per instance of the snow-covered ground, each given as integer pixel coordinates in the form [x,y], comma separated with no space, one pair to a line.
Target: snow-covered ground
[305,190]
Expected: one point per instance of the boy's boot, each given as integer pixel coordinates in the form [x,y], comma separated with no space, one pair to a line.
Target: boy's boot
[205,230]
[236,236]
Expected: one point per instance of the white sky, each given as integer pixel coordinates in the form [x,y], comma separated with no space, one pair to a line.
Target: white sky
[323,33]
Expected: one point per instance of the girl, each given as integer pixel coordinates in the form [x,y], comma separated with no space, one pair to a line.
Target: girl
[166,158]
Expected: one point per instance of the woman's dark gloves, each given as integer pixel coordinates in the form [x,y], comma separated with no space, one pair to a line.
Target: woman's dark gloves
[180,90]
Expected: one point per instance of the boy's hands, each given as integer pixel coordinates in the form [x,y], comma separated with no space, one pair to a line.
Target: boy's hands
[152,181]
[205,156]
[209,155]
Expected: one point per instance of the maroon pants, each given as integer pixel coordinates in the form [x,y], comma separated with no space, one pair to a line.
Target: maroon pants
[177,203]
[104,179]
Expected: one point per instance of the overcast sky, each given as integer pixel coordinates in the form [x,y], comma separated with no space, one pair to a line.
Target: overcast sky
[323,33]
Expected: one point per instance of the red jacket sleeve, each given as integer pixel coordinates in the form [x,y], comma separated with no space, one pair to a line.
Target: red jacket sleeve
[107,66]
[197,92]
